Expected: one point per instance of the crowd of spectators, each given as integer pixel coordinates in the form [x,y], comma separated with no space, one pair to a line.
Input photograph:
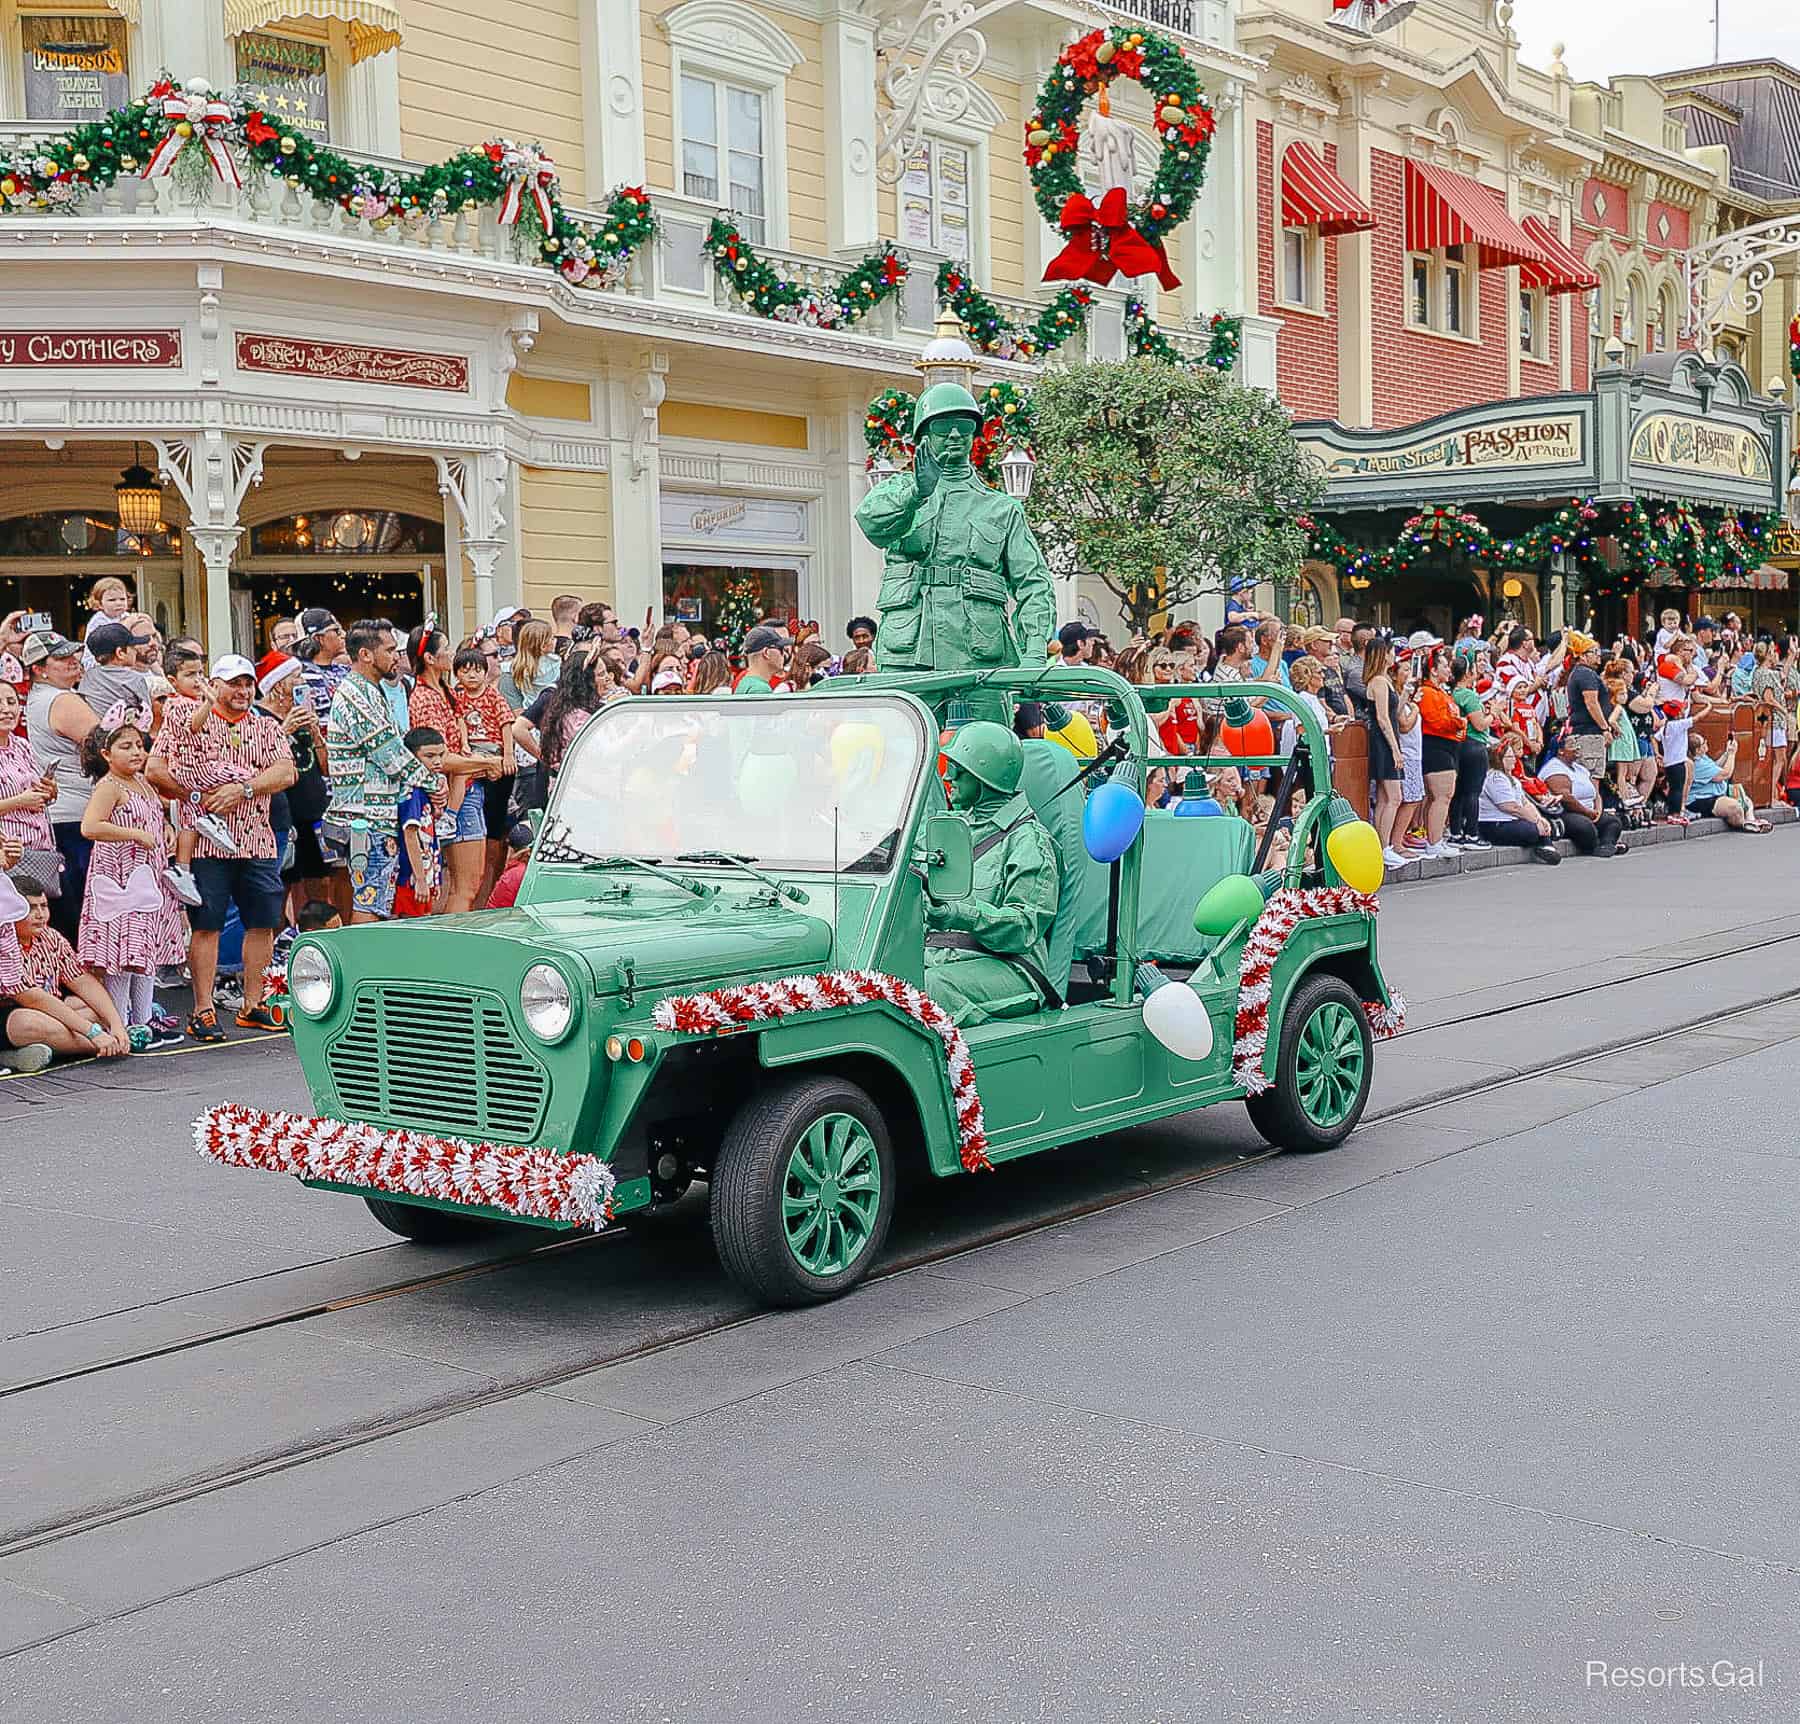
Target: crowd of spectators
[153,803]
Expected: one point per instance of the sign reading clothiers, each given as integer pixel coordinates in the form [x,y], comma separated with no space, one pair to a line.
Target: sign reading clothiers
[48,349]
[348,362]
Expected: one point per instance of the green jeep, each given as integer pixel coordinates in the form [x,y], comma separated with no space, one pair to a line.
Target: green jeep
[697,845]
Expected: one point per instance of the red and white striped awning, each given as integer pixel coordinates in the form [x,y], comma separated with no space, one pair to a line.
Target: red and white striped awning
[1443,208]
[1563,272]
[1312,195]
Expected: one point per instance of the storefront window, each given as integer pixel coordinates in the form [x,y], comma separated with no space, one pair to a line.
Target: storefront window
[287,78]
[77,534]
[348,532]
[695,592]
[1534,323]
[75,68]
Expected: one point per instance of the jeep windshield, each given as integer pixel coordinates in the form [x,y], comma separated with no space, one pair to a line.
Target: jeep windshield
[790,784]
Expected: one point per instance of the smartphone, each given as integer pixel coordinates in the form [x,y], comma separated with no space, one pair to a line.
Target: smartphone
[35,623]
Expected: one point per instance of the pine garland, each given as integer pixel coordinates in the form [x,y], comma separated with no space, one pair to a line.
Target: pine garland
[1794,347]
[1007,418]
[765,291]
[1146,340]
[991,330]
[54,174]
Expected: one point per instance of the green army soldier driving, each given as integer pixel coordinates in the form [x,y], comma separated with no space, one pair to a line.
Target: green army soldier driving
[958,553]
[986,953]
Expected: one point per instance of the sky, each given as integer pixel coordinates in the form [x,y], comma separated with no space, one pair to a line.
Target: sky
[1608,36]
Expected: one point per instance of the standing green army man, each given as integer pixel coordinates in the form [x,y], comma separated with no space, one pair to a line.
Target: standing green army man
[985,954]
[958,553]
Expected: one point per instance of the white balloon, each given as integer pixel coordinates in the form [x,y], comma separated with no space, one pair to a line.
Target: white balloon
[1177,1017]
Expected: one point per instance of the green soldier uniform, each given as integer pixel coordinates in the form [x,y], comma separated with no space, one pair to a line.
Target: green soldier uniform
[958,552]
[973,943]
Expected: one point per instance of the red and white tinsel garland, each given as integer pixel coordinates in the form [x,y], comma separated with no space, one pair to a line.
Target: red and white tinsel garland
[534,1182]
[727,1009]
[1284,912]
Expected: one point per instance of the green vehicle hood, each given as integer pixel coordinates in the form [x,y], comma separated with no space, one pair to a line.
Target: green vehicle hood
[704,946]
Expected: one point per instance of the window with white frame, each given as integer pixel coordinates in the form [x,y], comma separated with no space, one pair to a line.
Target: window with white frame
[1440,290]
[74,69]
[1634,321]
[1302,278]
[1534,323]
[937,197]
[724,149]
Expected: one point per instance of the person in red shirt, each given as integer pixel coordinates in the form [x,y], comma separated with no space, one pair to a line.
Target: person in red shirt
[518,854]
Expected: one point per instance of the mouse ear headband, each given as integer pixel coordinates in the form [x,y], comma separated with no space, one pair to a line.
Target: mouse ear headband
[121,713]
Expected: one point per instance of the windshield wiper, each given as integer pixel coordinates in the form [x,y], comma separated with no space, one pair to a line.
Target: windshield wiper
[779,887]
[553,846]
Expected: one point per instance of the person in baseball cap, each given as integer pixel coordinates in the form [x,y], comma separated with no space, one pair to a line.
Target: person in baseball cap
[765,658]
[318,620]
[37,648]
[1073,638]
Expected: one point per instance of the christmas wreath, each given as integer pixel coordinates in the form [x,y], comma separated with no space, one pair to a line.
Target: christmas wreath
[1116,237]
[769,294]
[1006,419]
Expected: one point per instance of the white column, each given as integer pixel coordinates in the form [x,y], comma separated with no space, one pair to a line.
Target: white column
[188,37]
[850,210]
[634,395]
[848,567]
[612,81]
[1214,256]
[215,545]
[212,472]
[475,486]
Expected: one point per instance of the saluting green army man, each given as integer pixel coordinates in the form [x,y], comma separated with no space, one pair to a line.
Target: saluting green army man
[958,553]
[981,951]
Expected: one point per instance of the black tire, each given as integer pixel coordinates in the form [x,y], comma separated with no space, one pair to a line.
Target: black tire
[751,1177]
[427,1226]
[1279,1114]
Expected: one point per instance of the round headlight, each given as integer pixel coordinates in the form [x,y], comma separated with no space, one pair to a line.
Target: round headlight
[311,980]
[544,999]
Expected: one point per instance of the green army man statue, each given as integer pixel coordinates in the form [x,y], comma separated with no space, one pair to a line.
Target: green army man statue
[958,553]
[984,953]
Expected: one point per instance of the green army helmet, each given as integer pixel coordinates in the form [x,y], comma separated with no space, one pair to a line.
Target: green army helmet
[987,751]
[942,401]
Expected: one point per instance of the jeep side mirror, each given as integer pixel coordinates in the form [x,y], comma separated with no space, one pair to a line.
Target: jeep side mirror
[949,858]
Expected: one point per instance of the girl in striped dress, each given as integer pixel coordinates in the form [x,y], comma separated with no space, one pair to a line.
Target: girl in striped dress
[130,920]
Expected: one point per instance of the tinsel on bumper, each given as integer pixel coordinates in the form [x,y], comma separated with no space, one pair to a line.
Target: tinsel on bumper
[727,1009]
[1274,928]
[532,1182]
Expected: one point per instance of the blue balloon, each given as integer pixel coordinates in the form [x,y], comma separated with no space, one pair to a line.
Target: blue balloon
[1192,805]
[1111,821]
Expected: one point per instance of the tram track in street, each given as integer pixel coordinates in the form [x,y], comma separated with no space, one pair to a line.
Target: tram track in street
[225,1478]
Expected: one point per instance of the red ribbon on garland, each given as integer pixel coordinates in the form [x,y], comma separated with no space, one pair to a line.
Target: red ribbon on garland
[1102,243]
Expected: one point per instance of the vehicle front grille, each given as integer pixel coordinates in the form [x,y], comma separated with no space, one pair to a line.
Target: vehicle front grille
[437,1059]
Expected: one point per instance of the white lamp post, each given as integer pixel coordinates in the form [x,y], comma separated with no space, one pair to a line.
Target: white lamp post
[1017,466]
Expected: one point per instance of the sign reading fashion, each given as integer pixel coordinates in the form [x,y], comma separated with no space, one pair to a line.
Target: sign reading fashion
[1699,446]
[1553,440]
[348,362]
[50,349]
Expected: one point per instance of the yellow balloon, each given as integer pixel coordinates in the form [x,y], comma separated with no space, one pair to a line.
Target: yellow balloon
[857,750]
[1355,852]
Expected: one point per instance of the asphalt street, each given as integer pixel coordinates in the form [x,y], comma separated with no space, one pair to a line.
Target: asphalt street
[1486,1415]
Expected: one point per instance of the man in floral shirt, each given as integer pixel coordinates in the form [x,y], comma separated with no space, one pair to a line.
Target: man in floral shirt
[234,766]
[371,769]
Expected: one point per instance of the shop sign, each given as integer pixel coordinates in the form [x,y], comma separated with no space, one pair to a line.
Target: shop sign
[1785,543]
[86,349]
[75,68]
[286,79]
[348,362]
[688,516]
[1699,446]
[1176,17]
[1551,440]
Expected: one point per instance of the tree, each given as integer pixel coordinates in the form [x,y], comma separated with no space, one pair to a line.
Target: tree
[1166,482]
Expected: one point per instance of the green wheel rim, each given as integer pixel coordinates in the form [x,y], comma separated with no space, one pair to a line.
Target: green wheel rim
[831,1194]
[1328,1072]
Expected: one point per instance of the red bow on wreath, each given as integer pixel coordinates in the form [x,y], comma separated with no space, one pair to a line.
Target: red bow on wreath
[1103,243]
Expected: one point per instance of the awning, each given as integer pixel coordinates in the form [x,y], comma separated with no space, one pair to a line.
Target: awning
[374,24]
[1563,273]
[1312,195]
[1443,208]
[130,10]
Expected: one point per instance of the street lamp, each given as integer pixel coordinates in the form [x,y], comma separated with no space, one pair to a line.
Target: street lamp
[1017,467]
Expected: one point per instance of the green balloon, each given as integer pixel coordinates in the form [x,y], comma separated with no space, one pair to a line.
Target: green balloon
[1237,898]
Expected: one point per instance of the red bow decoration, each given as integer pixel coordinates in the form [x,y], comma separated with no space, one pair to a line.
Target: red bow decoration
[1103,243]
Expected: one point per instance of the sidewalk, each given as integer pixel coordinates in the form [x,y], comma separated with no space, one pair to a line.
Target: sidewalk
[1512,856]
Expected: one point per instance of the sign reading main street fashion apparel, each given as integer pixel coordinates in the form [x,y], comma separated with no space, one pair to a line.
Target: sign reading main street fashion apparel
[348,362]
[1548,440]
[87,349]
[1695,445]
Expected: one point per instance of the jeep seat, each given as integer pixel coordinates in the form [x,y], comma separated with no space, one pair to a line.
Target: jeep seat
[1080,924]
[1183,856]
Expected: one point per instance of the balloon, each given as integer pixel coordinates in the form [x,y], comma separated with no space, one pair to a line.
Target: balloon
[1355,852]
[1256,737]
[1177,1017]
[1192,805]
[1237,898]
[1111,821]
[856,753]
[766,779]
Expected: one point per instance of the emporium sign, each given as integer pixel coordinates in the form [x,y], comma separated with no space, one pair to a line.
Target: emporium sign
[88,349]
[349,362]
[1551,440]
[1699,446]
